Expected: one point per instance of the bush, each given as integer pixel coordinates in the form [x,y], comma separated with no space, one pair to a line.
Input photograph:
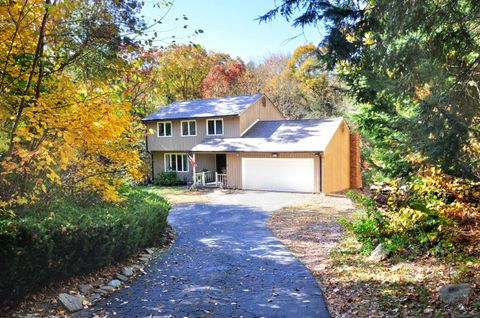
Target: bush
[168,178]
[400,224]
[68,239]
[432,212]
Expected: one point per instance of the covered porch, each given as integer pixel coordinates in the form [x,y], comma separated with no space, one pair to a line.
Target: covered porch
[210,170]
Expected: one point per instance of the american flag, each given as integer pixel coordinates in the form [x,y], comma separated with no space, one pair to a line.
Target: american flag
[192,160]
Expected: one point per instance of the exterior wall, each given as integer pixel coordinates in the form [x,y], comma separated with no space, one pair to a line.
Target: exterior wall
[234,166]
[355,172]
[259,112]
[178,143]
[336,162]
[204,161]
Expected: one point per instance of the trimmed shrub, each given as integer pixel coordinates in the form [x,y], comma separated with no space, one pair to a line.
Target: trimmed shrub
[168,178]
[68,239]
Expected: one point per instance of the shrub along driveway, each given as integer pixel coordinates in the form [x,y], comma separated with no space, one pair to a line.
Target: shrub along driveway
[225,263]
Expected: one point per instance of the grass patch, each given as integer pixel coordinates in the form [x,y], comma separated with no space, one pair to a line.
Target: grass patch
[181,194]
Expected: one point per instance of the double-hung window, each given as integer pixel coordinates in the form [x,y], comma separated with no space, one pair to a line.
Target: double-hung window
[176,162]
[189,127]
[164,129]
[214,127]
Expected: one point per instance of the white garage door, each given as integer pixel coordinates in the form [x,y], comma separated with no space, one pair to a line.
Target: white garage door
[278,174]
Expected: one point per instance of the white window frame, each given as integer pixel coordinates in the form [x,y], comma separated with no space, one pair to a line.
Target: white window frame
[164,130]
[183,155]
[188,125]
[215,127]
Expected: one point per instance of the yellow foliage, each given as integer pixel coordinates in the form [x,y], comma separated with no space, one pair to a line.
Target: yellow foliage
[78,136]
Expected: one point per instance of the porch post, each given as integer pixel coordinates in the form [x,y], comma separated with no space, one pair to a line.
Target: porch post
[194,184]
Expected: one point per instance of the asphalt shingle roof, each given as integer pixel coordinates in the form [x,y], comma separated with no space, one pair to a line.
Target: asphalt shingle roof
[200,108]
[308,135]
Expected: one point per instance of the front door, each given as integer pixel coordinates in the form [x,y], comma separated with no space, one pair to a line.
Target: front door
[221,160]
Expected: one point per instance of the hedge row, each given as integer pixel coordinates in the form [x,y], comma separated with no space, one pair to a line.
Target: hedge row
[69,239]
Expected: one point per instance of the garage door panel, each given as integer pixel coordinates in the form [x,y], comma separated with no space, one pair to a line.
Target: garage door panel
[278,174]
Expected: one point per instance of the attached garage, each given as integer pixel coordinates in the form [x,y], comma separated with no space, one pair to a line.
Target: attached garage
[278,174]
[309,156]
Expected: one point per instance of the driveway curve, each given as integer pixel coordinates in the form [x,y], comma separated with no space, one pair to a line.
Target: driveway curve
[225,263]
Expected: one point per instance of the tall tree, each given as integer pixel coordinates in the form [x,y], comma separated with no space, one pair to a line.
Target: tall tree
[182,69]
[413,67]
[65,128]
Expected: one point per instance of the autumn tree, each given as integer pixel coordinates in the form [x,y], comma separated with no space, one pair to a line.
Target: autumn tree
[224,79]
[66,127]
[182,69]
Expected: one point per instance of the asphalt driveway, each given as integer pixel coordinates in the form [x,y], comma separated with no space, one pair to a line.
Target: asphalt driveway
[225,263]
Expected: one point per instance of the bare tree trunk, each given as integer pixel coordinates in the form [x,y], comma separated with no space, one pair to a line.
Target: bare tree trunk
[38,54]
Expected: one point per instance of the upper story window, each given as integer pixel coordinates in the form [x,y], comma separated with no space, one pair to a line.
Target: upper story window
[164,129]
[189,128]
[214,127]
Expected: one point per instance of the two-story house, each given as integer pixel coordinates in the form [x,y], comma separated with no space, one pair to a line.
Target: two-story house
[245,142]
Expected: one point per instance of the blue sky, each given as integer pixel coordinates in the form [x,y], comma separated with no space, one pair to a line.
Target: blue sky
[229,26]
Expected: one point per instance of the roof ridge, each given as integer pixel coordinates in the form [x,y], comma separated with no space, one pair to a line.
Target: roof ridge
[210,98]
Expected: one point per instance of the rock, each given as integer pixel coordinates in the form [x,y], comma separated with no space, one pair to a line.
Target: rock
[127,271]
[84,288]
[115,283]
[378,254]
[94,298]
[455,293]
[151,250]
[101,291]
[137,267]
[146,256]
[144,259]
[72,303]
[121,277]
[107,288]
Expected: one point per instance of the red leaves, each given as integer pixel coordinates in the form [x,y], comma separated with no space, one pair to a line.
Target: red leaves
[222,78]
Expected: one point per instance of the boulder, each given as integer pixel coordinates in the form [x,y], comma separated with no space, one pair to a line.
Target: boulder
[94,298]
[151,250]
[379,254]
[84,288]
[71,303]
[121,277]
[115,283]
[127,271]
[101,291]
[107,288]
[455,293]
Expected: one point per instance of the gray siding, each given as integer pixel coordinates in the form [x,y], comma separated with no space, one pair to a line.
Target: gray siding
[178,143]
[204,161]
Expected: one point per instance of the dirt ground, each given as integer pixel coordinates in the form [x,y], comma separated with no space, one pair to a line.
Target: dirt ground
[402,286]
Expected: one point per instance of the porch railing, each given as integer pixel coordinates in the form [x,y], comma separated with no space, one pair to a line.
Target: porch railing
[220,179]
[210,178]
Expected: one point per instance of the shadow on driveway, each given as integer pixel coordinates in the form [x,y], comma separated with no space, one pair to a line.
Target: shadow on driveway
[225,263]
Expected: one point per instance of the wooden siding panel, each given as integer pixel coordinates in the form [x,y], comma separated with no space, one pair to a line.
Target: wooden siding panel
[178,143]
[259,112]
[234,166]
[336,161]
[205,161]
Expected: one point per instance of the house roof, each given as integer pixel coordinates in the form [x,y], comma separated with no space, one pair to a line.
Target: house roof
[200,108]
[308,135]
